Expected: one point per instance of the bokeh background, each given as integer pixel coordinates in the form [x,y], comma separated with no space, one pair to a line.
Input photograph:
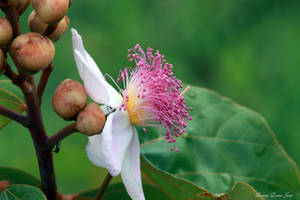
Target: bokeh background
[247,50]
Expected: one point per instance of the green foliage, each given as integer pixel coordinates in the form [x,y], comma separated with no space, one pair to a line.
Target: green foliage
[166,186]
[16,176]
[117,191]
[9,99]
[246,50]
[24,192]
[178,188]
[225,143]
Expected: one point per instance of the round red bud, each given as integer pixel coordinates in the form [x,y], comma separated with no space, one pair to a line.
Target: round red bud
[2,62]
[6,32]
[20,5]
[61,28]
[91,120]
[32,51]
[69,98]
[50,11]
[3,184]
[35,24]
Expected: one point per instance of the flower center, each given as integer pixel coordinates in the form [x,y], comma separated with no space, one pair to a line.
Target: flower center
[135,108]
[151,94]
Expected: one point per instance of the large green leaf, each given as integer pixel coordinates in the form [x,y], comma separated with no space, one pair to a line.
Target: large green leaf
[24,192]
[117,191]
[165,186]
[15,176]
[225,143]
[9,99]
[178,188]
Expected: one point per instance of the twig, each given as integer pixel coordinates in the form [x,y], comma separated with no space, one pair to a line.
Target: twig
[13,17]
[43,81]
[40,140]
[13,115]
[103,186]
[16,79]
[60,135]
[19,80]
[10,74]
[34,116]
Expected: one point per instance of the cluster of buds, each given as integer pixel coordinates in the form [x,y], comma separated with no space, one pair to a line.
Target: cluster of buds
[35,50]
[32,51]
[70,102]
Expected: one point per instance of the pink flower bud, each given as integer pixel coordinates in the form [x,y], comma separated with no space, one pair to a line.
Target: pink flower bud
[51,11]
[91,120]
[69,98]
[38,26]
[32,51]
[61,28]
[6,32]
[35,24]
[3,185]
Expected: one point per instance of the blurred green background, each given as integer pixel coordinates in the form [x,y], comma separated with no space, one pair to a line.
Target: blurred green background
[247,50]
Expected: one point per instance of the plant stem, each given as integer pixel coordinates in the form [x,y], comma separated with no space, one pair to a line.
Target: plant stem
[103,186]
[34,120]
[43,81]
[40,140]
[13,17]
[60,135]
[11,114]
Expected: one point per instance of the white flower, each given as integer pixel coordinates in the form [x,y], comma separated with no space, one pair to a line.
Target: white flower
[117,148]
[151,97]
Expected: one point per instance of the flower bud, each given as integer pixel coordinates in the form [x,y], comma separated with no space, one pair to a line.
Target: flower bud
[32,51]
[51,11]
[91,120]
[2,62]
[6,32]
[69,98]
[35,24]
[61,28]
[20,5]
[3,185]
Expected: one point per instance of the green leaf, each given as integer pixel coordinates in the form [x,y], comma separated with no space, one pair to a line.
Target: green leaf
[165,186]
[9,99]
[178,188]
[24,192]
[225,144]
[15,176]
[117,191]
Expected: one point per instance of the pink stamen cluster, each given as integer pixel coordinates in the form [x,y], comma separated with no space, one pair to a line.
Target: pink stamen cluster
[152,93]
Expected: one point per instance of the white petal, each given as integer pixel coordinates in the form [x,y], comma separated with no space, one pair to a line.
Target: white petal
[131,171]
[109,149]
[97,88]
[88,60]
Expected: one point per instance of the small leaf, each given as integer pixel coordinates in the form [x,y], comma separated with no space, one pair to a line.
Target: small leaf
[242,191]
[24,192]
[225,144]
[15,176]
[9,99]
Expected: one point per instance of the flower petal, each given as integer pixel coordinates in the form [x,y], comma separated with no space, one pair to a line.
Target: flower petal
[89,62]
[96,86]
[109,149]
[131,171]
